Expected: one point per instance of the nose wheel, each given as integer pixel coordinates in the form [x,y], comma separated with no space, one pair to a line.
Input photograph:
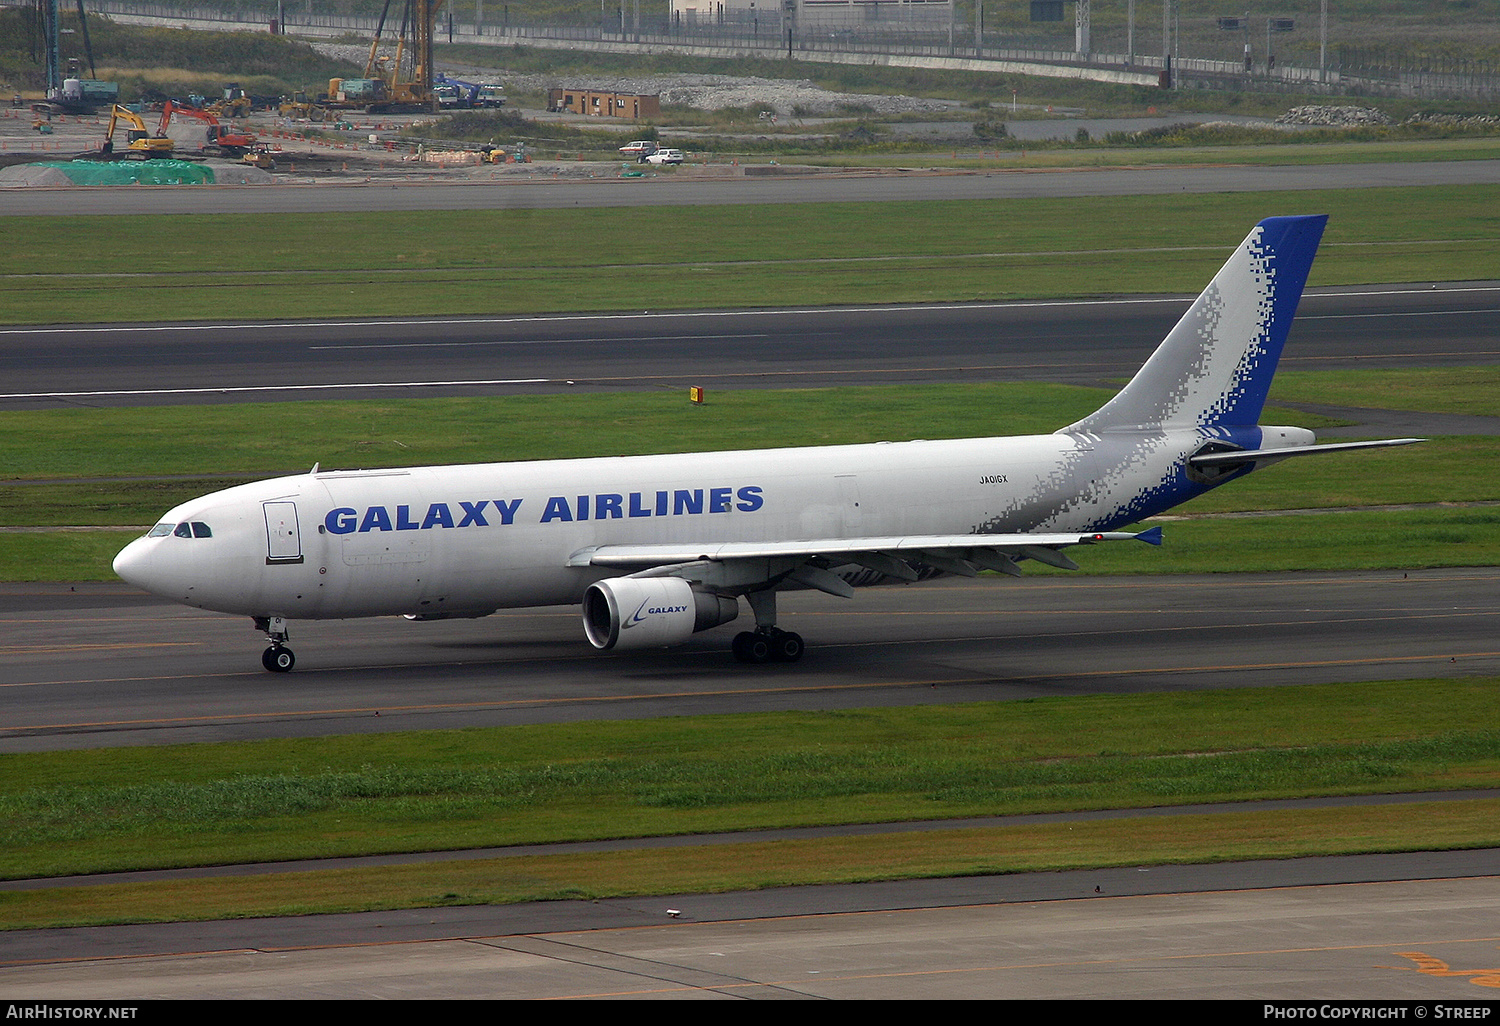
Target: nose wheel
[278,658]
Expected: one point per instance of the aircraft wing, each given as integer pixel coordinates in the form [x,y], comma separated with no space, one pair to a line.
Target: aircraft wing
[738,564]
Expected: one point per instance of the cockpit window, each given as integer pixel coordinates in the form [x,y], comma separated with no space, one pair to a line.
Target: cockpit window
[192,529]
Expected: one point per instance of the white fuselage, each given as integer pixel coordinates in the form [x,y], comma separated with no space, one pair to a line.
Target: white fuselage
[656,548]
[462,540]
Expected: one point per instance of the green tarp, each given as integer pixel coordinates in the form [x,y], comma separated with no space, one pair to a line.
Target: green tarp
[134,172]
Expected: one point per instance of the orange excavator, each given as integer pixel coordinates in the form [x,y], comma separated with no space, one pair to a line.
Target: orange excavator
[226,140]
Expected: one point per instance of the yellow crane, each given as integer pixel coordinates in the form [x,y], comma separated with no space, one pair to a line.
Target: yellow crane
[401,91]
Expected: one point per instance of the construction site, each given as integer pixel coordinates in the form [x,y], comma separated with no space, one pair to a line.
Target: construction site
[367,115]
[79,134]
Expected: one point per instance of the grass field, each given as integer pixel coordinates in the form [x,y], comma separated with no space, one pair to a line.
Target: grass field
[119,809]
[436,263]
[193,805]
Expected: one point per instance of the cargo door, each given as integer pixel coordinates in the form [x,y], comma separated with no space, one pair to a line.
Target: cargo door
[283,538]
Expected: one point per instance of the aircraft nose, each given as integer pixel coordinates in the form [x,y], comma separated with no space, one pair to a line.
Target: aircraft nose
[133,564]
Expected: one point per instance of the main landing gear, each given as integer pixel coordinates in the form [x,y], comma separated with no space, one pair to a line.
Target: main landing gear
[768,646]
[278,658]
[767,643]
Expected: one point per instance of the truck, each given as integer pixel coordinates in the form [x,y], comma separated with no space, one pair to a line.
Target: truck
[355,93]
[84,95]
[456,93]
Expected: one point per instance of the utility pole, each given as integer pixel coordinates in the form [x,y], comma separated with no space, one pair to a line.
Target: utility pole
[1166,32]
[1166,43]
[1323,45]
[54,57]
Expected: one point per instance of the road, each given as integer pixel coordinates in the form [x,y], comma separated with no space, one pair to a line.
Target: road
[538,191]
[1074,341]
[1414,929]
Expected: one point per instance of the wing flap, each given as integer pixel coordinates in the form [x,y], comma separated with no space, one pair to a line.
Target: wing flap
[992,551]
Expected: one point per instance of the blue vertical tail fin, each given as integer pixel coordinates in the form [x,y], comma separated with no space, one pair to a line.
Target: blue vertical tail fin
[1214,368]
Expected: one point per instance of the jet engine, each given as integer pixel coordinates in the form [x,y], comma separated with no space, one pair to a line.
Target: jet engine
[646,612]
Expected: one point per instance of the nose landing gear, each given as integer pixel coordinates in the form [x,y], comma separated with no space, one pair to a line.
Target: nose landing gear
[278,658]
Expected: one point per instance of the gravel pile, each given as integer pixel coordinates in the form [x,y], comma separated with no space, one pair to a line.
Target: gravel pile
[1334,117]
[24,176]
[706,92]
[1460,120]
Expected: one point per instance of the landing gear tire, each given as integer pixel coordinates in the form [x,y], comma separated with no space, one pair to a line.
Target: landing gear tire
[278,659]
[773,646]
[787,647]
[751,648]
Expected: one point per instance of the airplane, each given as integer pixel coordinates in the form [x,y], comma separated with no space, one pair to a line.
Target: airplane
[656,548]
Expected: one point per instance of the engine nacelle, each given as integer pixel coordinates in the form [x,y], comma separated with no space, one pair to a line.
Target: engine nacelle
[650,612]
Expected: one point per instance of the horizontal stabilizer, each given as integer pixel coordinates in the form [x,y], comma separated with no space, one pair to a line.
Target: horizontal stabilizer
[1234,457]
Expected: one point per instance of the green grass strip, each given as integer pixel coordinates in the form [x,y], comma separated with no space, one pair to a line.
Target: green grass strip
[86,467]
[124,809]
[654,258]
[185,805]
[716,868]
[1471,391]
[266,439]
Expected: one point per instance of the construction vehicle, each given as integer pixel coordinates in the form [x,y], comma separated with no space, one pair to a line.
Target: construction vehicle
[455,92]
[407,80]
[365,94]
[300,107]
[140,143]
[399,83]
[82,96]
[225,140]
[69,92]
[262,157]
[233,104]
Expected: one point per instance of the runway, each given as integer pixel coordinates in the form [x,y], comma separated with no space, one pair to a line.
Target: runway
[105,666]
[1090,341]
